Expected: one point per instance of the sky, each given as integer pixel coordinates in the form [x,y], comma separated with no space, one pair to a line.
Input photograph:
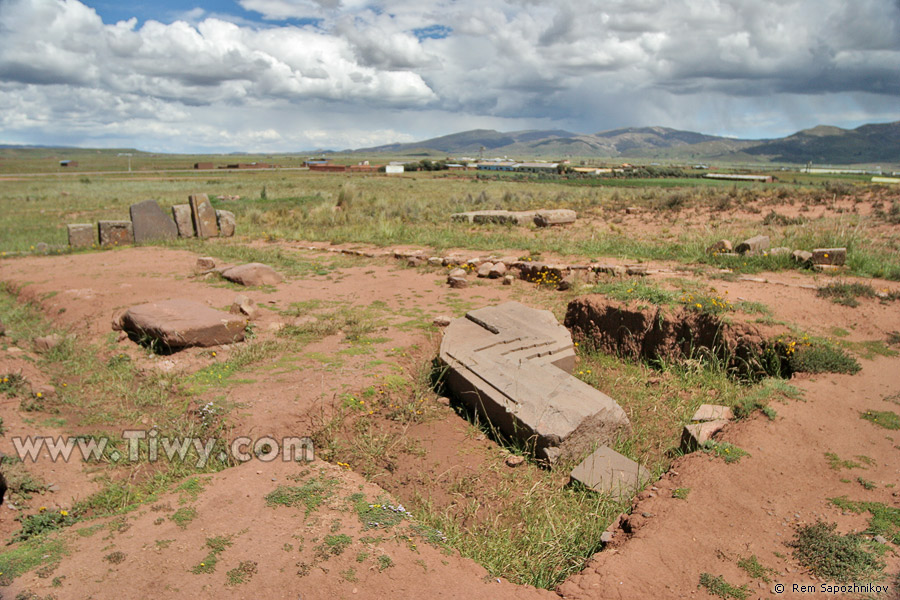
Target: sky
[297,75]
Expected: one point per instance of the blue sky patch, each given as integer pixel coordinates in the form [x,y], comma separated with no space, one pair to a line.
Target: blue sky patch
[433,32]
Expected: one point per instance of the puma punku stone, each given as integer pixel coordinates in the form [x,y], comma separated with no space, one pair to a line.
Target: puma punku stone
[252,274]
[522,217]
[184,220]
[151,223]
[695,435]
[554,216]
[226,221]
[115,233]
[204,216]
[829,256]
[512,363]
[712,412]
[754,245]
[607,471]
[181,323]
[82,235]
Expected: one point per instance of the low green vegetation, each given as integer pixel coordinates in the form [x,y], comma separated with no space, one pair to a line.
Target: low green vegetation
[724,450]
[753,568]
[309,495]
[37,551]
[834,556]
[717,586]
[885,520]
[883,418]
[242,573]
[216,545]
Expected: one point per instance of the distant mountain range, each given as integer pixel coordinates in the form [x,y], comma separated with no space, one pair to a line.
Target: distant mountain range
[823,144]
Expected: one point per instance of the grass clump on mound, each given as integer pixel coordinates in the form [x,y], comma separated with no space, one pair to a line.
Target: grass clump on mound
[836,557]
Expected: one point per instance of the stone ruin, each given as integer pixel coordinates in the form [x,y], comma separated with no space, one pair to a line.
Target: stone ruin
[541,218]
[150,223]
[512,364]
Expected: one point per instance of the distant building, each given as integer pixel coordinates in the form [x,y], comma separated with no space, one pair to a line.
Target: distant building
[497,166]
[739,177]
[203,165]
[68,163]
[537,167]
[393,169]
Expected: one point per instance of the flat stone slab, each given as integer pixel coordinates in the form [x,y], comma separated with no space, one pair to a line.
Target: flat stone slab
[184,220]
[554,216]
[712,412]
[695,435]
[115,233]
[608,472]
[252,274]
[82,235]
[512,363]
[181,323]
[754,245]
[204,216]
[150,223]
[522,217]
[829,256]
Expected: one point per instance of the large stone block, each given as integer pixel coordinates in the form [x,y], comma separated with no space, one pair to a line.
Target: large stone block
[252,274]
[755,245]
[829,256]
[554,216]
[184,220]
[608,472]
[150,223]
[512,364]
[204,216]
[180,323]
[503,217]
[226,222]
[115,233]
[82,235]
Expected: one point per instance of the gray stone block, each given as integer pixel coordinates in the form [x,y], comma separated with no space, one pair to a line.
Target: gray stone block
[115,233]
[608,472]
[150,223]
[512,364]
[204,216]
[184,220]
[82,235]
[554,216]
[829,256]
[226,222]
[754,245]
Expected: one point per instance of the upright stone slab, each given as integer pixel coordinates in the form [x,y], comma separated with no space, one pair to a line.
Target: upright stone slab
[184,220]
[608,472]
[180,323]
[82,235]
[150,223]
[115,233]
[512,364]
[226,222]
[204,216]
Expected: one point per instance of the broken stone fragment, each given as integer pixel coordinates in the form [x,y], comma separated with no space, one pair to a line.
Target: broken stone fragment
[184,220]
[243,305]
[829,256]
[754,245]
[115,233]
[204,216]
[484,269]
[252,274]
[608,472]
[82,235]
[554,216]
[442,321]
[719,247]
[47,343]
[497,270]
[801,256]
[457,273]
[205,263]
[457,282]
[695,435]
[508,279]
[712,412]
[227,222]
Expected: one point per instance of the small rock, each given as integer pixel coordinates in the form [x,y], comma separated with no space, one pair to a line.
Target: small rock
[566,282]
[881,539]
[244,305]
[828,268]
[712,412]
[205,263]
[252,274]
[442,321]
[497,271]
[801,256]
[43,391]
[554,216]
[415,261]
[514,460]
[52,488]
[632,210]
[226,222]
[508,279]
[779,251]
[636,270]
[436,261]
[484,269]
[457,273]
[694,436]
[647,515]
[444,400]
[606,537]
[47,343]
[458,282]
[719,247]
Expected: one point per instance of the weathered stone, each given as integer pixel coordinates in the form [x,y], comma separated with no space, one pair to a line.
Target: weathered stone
[636,270]
[243,305]
[512,364]
[712,412]
[503,217]
[554,216]
[606,537]
[226,221]
[252,274]
[514,460]
[150,223]
[801,256]
[115,233]
[184,220]
[497,271]
[829,256]
[415,261]
[47,343]
[695,435]
[828,268]
[608,472]
[632,210]
[82,235]
[205,263]
[442,321]
[457,273]
[719,247]
[508,279]
[457,282]
[484,269]
[754,245]
[204,216]
[435,261]
[181,323]
[566,282]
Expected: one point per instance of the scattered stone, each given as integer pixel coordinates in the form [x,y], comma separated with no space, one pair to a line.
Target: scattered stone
[205,263]
[442,321]
[53,488]
[47,343]
[555,216]
[180,323]
[712,412]
[514,460]
[607,471]
[606,537]
[502,217]
[252,274]
[636,270]
[204,216]
[497,271]
[632,210]
[458,282]
[115,233]
[829,256]
[695,435]
[151,223]
[184,220]
[512,364]
[754,245]
[82,235]
[566,282]
[508,279]
[244,305]
[828,268]
[444,400]
[484,269]
[436,261]
[226,221]
[719,247]
[457,273]
[415,261]
[881,539]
